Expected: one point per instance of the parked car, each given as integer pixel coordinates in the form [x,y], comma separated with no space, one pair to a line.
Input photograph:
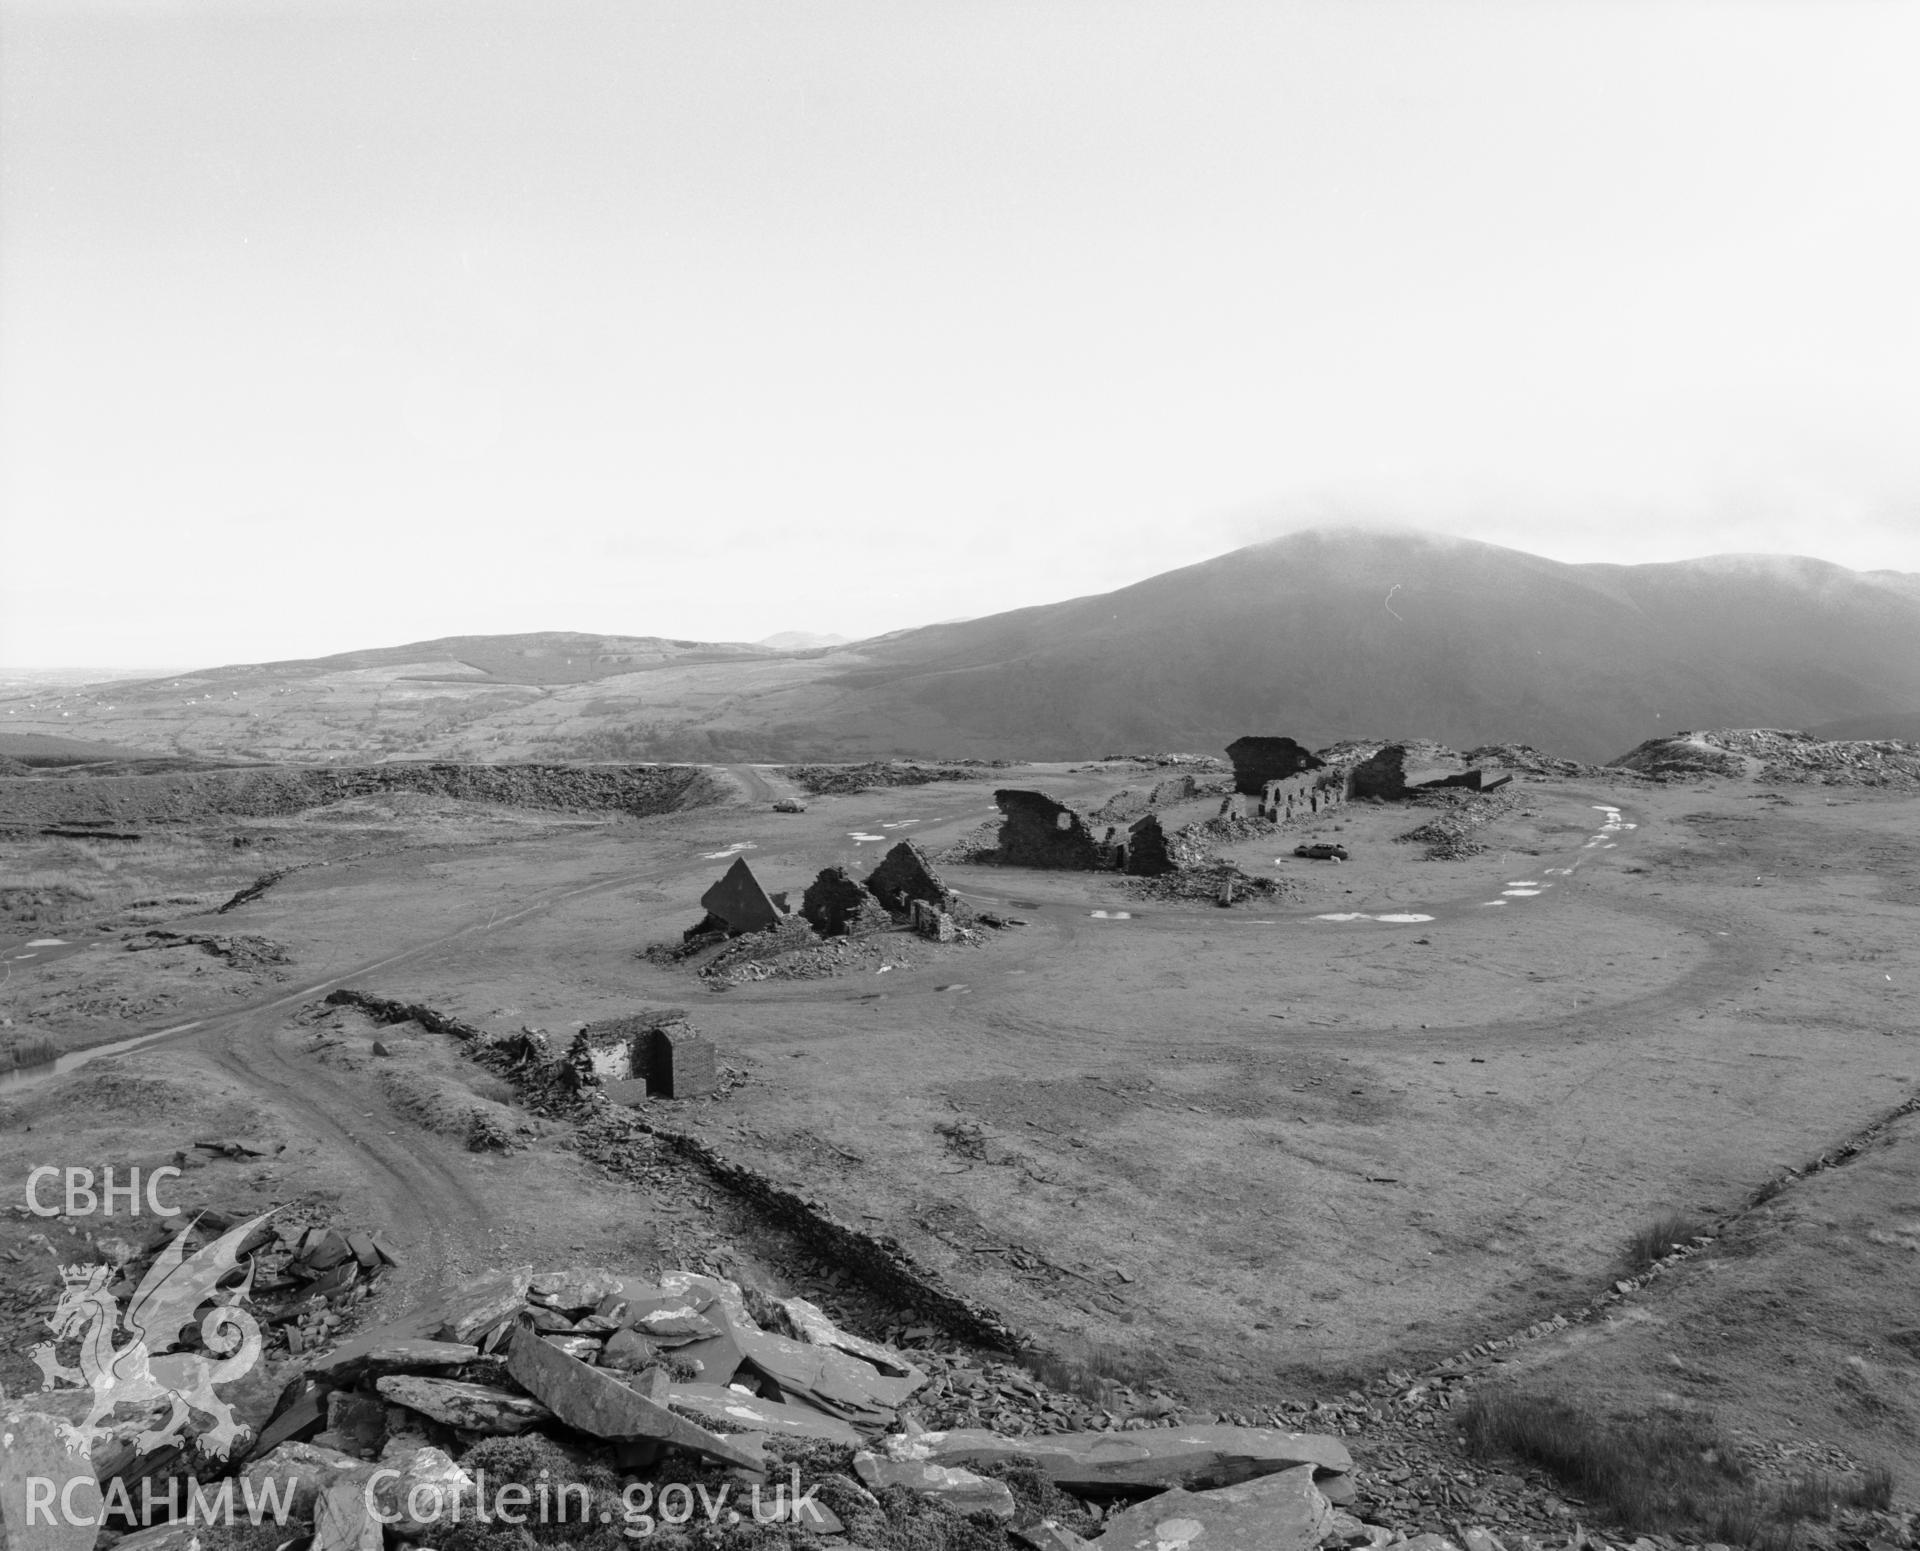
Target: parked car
[1321,852]
[788,805]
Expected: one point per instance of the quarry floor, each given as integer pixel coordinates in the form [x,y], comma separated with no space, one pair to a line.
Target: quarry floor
[1257,1150]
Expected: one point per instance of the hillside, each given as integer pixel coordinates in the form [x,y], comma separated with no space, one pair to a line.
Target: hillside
[1321,635]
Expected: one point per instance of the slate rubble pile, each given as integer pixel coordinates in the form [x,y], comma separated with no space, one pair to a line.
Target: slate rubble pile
[638,1383]
[242,951]
[687,1377]
[1448,835]
[1772,754]
[1800,757]
[830,780]
[1209,882]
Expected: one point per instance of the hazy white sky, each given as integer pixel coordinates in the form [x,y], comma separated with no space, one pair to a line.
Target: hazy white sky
[326,325]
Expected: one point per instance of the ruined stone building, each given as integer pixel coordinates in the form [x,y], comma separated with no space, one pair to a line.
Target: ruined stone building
[1257,761]
[646,1055]
[737,903]
[1301,795]
[1039,832]
[836,905]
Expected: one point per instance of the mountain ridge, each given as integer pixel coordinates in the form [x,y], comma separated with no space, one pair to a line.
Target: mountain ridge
[1321,635]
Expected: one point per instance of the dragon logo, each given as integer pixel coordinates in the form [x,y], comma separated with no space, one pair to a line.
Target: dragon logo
[143,1371]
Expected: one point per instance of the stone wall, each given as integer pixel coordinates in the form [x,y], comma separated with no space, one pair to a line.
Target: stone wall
[1256,761]
[1148,854]
[905,875]
[1039,832]
[1383,777]
[1301,795]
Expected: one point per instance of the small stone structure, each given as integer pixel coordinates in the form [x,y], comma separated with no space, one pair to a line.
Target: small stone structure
[1256,761]
[932,922]
[1039,832]
[1148,855]
[835,905]
[739,903]
[1383,777]
[647,1055]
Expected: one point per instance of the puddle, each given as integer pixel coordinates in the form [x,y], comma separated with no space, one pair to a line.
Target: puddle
[26,1076]
[48,942]
[1111,915]
[720,856]
[860,837]
[1486,902]
[1396,918]
[1522,893]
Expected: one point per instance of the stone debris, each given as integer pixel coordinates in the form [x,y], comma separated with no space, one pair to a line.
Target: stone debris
[1776,755]
[1448,835]
[825,780]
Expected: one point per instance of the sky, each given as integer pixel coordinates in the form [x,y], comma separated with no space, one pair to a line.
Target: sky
[336,325]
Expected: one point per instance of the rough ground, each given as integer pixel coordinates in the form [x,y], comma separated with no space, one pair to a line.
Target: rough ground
[1268,1153]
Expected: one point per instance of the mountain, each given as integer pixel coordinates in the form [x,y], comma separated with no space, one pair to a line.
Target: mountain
[1339,633]
[1321,635]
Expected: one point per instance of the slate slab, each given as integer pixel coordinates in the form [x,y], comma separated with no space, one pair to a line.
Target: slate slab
[960,1489]
[1090,1462]
[594,1402]
[817,1330]
[478,1408]
[575,1288]
[484,1303]
[343,1521]
[730,1408]
[1280,1512]
[306,1470]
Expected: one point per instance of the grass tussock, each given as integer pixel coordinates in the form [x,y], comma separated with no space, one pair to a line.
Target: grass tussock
[1660,1238]
[1094,1374]
[1660,1470]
